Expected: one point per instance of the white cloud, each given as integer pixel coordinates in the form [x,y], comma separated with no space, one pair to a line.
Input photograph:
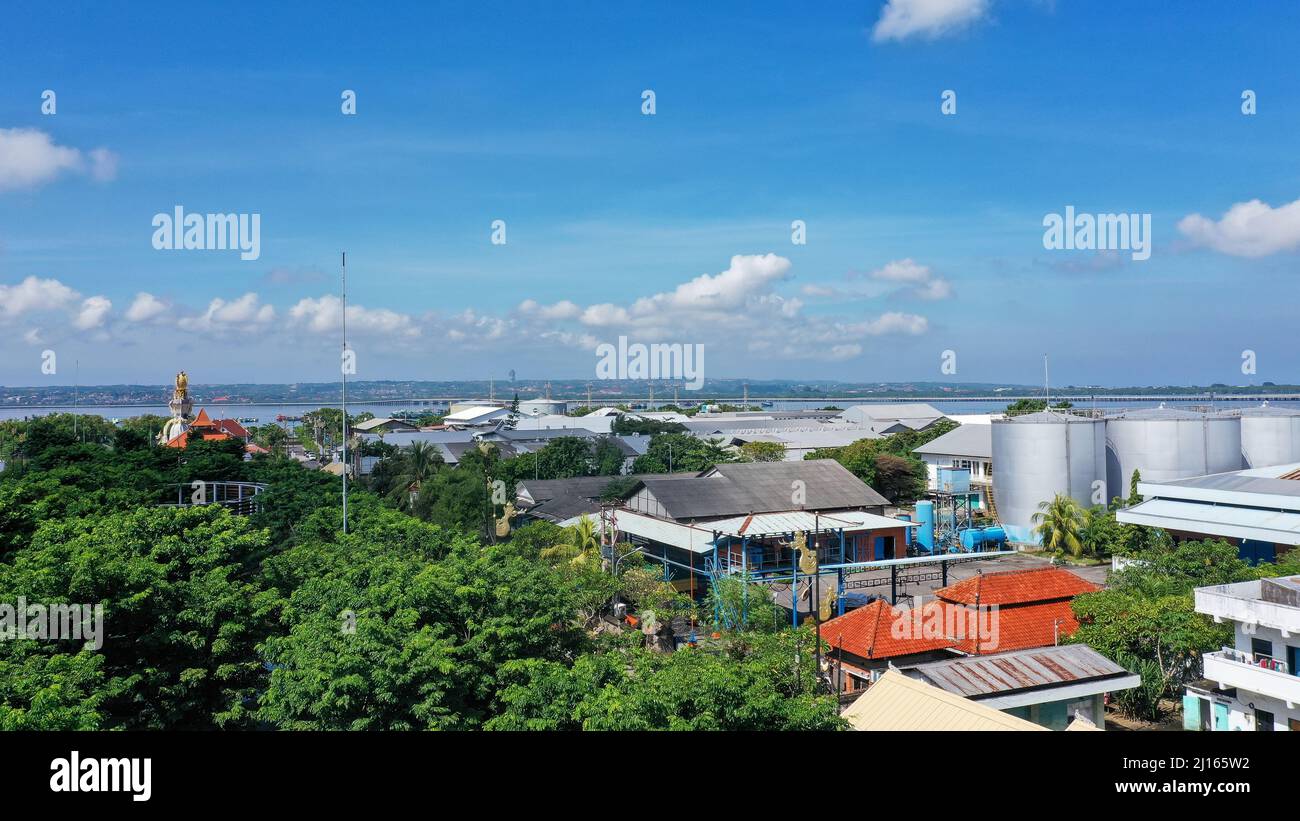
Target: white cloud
[902,270]
[1248,229]
[564,309]
[929,19]
[325,315]
[740,312]
[897,323]
[706,309]
[145,307]
[33,295]
[29,158]
[94,310]
[243,314]
[934,289]
[917,280]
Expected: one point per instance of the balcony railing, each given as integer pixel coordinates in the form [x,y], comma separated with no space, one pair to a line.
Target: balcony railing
[1255,673]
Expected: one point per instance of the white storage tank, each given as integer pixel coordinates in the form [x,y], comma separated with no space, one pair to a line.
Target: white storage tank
[1164,444]
[1038,455]
[1270,435]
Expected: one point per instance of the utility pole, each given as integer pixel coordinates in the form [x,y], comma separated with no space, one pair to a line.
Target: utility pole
[345,390]
[588,397]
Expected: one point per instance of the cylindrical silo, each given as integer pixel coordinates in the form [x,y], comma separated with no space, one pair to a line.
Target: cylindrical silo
[1270,435]
[1164,444]
[1038,455]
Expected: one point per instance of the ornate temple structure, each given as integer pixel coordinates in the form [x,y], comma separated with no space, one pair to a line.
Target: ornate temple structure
[182,427]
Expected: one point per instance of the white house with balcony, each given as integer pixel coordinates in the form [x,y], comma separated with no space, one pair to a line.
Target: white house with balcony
[1252,685]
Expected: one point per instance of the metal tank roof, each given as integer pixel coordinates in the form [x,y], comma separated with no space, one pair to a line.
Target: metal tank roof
[1048,416]
[1269,410]
[1160,413]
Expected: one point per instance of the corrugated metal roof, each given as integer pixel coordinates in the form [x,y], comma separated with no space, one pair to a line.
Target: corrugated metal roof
[472,413]
[980,676]
[901,410]
[967,440]
[793,521]
[896,702]
[734,489]
[694,539]
[1216,520]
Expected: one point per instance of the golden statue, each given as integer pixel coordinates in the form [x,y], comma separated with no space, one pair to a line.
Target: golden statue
[182,384]
[807,555]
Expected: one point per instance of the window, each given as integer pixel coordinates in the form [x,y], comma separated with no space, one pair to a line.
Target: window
[1261,648]
[1263,721]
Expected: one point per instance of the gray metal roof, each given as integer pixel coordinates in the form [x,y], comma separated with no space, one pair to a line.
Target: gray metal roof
[763,487]
[901,410]
[1236,482]
[966,440]
[403,438]
[562,499]
[984,676]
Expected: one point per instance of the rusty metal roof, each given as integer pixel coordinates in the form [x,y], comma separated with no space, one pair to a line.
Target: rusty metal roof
[982,676]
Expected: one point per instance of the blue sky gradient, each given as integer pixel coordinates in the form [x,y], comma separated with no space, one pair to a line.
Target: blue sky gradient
[766,113]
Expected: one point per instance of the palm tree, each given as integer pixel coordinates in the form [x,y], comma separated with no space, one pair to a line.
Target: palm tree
[1059,523]
[420,461]
[583,544]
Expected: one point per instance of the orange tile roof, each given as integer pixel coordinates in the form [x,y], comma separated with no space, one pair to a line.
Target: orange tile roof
[202,420]
[232,427]
[868,632]
[1014,627]
[1017,587]
[182,440]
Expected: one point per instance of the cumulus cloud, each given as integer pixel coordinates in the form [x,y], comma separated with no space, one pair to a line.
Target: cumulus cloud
[242,314]
[739,311]
[564,309]
[94,310]
[1247,229]
[29,158]
[145,307]
[927,19]
[921,279]
[897,323]
[33,295]
[325,315]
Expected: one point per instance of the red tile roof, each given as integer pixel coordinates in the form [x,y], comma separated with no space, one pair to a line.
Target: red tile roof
[1017,587]
[182,440]
[1018,627]
[868,632]
[202,420]
[232,427]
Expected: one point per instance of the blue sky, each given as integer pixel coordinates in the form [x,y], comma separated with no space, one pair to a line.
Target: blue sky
[924,230]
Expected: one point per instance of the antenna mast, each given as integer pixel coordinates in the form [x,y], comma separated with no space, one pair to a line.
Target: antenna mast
[345,390]
[1047,384]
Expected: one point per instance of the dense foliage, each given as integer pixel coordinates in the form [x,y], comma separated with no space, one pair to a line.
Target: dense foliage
[420,617]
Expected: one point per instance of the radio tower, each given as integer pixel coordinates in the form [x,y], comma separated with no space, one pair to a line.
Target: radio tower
[344,368]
